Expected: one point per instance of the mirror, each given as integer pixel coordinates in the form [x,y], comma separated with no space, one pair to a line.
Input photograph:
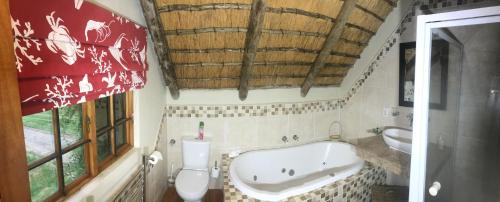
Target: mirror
[439,74]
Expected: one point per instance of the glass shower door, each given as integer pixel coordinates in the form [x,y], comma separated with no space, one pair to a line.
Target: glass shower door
[456,140]
[444,110]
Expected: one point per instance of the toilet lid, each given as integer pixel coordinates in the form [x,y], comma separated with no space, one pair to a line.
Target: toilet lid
[192,182]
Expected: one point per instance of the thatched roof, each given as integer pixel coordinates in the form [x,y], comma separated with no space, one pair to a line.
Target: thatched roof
[247,44]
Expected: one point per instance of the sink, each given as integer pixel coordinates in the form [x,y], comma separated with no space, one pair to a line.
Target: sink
[398,139]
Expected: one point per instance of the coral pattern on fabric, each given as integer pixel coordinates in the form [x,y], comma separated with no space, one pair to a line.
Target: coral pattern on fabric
[68,52]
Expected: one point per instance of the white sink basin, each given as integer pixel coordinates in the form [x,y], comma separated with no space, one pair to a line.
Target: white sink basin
[398,139]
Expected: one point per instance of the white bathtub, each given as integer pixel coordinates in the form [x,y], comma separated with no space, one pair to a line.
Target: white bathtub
[276,174]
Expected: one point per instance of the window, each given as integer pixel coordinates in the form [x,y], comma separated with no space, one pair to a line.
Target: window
[66,147]
[113,121]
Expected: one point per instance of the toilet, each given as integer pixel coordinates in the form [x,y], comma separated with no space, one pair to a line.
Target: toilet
[192,181]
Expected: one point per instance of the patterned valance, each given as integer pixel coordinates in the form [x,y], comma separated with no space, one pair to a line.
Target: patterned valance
[72,51]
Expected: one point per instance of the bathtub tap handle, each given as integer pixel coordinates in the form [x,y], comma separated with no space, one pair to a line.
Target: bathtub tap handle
[295,137]
[284,139]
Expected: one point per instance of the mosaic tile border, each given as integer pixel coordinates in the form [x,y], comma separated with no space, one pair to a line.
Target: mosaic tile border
[220,111]
[355,188]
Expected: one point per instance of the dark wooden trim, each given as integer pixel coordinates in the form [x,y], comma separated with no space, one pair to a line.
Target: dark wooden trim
[259,77]
[391,3]
[439,55]
[203,7]
[14,182]
[111,115]
[179,32]
[332,39]
[350,25]
[239,6]
[259,50]
[160,42]
[92,136]
[41,161]
[58,152]
[265,63]
[75,145]
[371,13]
[252,39]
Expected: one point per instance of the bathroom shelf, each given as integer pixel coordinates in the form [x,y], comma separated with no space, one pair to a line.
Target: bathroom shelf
[374,150]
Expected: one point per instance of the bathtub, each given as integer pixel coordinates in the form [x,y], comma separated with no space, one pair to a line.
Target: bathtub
[277,174]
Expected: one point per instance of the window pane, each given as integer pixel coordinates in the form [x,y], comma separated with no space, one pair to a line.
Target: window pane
[103,146]
[43,181]
[70,123]
[74,165]
[38,135]
[119,106]
[120,135]
[101,113]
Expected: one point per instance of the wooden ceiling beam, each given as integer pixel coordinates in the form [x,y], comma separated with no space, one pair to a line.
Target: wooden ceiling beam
[333,38]
[160,42]
[252,39]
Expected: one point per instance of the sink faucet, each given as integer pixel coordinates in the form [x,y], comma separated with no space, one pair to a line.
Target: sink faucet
[284,139]
[295,137]
[410,118]
[376,131]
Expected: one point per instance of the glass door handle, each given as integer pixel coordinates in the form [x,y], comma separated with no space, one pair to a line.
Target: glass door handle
[434,189]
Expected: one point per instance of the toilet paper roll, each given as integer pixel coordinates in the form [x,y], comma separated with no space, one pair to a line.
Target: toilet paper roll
[215,172]
[155,157]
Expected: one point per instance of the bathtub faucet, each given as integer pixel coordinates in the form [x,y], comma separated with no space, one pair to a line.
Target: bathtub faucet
[295,137]
[284,139]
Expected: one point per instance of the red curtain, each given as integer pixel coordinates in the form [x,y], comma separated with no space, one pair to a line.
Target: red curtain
[72,51]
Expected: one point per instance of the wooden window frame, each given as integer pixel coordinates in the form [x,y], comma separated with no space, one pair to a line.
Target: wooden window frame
[59,151]
[89,142]
[97,166]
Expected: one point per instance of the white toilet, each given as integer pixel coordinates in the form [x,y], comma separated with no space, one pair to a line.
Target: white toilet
[192,181]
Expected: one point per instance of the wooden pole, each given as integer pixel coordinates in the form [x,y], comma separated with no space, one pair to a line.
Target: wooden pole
[161,45]
[252,39]
[14,182]
[334,36]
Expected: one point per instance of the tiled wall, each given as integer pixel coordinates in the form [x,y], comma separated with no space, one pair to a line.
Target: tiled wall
[156,176]
[250,127]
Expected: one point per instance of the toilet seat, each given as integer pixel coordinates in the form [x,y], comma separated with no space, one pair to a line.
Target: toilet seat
[192,184]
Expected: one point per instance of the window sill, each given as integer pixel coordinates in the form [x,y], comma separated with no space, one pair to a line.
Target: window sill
[109,181]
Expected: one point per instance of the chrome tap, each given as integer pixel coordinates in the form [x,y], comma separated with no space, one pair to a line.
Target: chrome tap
[295,137]
[410,118]
[284,139]
[376,131]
